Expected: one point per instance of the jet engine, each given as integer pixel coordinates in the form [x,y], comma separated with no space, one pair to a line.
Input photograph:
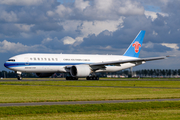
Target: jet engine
[44,74]
[80,70]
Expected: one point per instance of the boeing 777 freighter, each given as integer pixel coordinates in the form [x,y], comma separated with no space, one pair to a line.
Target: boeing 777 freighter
[78,65]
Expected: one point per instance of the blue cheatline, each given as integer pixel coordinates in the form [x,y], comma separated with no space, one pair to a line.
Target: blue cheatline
[21,64]
[135,47]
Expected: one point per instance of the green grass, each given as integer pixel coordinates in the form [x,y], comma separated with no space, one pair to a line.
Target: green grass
[43,91]
[22,93]
[112,115]
[146,110]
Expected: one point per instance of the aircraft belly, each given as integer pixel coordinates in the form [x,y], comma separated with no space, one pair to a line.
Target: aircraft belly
[42,69]
[116,68]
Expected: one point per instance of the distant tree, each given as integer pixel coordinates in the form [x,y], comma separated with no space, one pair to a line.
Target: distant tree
[4,74]
[145,72]
[126,72]
[148,72]
[151,72]
[155,72]
[0,74]
[178,71]
[138,72]
[158,72]
[166,72]
[169,72]
[174,72]
[163,72]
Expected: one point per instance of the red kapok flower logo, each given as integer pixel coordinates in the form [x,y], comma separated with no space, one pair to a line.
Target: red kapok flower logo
[136,46]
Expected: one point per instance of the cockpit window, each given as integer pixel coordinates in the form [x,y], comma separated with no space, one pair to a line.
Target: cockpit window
[12,60]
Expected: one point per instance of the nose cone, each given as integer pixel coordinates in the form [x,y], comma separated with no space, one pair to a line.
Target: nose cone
[10,62]
[6,64]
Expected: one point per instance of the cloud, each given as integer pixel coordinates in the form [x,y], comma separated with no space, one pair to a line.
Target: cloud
[156,47]
[153,15]
[96,10]
[155,33]
[171,45]
[123,7]
[46,40]
[61,10]
[68,40]
[24,27]
[47,45]
[89,26]
[86,28]
[8,16]
[81,4]
[6,46]
[47,26]
[21,2]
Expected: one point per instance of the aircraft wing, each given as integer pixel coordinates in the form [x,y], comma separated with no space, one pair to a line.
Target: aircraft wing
[128,61]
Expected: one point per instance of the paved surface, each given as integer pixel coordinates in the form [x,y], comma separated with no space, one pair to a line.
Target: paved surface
[82,102]
[63,79]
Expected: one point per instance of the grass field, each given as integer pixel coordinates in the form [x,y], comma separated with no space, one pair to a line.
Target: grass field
[167,114]
[11,93]
[115,82]
[41,91]
[127,111]
[116,89]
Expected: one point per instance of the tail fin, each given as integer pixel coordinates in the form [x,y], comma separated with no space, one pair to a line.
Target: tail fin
[135,47]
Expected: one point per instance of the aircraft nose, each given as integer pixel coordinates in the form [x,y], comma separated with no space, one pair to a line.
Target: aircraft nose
[6,65]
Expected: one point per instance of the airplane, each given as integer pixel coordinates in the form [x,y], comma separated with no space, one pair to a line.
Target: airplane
[78,65]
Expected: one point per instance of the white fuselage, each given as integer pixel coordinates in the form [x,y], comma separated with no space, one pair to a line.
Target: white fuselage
[51,63]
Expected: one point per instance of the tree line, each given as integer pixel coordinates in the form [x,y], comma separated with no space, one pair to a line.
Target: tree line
[12,74]
[146,72]
[158,72]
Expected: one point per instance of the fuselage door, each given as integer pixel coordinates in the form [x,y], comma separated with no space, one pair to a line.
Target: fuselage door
[26,59]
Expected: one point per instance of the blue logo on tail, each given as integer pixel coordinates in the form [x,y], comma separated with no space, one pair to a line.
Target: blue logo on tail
[135,47]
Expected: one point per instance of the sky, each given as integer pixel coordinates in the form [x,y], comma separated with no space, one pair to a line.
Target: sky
[91,27]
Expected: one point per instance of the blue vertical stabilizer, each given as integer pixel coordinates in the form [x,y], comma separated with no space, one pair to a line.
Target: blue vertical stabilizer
[135,47]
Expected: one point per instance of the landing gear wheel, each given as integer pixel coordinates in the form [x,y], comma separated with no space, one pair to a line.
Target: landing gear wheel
[19,78]
[19,75]
[92,78]
[88,78]
[71,78]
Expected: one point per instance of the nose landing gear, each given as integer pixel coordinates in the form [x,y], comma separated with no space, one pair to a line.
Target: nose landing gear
[19,78]
[19,75]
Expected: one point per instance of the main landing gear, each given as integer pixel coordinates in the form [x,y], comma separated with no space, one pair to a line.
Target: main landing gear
[87,78]
[92,78]
[71,78]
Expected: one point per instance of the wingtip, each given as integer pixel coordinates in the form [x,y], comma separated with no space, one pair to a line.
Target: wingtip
[171,56]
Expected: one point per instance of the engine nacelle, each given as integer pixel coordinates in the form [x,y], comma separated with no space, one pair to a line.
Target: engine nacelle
[80,70]
[44,74]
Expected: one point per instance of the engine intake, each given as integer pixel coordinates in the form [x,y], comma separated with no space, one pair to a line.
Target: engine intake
[80,70]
